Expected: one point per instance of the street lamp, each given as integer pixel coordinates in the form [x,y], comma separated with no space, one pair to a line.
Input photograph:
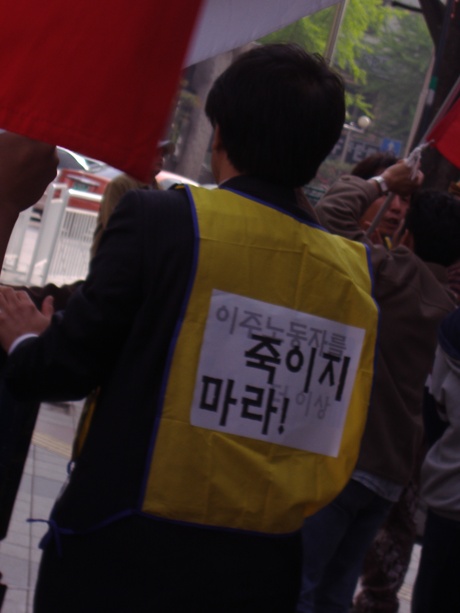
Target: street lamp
[363,123]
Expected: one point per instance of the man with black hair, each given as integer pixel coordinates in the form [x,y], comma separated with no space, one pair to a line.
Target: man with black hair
[411,291]
[374,164]
[433,220]
[392,219]
[233,343]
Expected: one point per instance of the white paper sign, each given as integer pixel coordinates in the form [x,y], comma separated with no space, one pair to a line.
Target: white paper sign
[275,374]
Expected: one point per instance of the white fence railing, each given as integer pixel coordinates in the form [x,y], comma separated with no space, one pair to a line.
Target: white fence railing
[55,249]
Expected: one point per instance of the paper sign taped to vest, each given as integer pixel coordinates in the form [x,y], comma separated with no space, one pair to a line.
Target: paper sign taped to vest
[275,374]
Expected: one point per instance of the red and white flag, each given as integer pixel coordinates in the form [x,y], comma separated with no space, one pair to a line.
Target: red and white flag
[96,77]
[446,135]
[228,24]
[99,76]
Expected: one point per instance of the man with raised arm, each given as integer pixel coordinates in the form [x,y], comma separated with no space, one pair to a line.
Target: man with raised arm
[413,296]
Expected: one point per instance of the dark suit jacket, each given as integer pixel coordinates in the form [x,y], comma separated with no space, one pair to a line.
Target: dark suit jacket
[115,333]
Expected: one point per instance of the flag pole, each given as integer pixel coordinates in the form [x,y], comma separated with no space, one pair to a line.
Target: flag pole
[450,99]
[331,45]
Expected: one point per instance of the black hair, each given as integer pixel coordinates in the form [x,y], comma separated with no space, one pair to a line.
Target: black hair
[374,165]
[433,219]
[280,111]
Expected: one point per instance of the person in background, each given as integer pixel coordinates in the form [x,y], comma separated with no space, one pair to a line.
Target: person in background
[393,218]
[454,188]
[118,187]
[412,293]
[26,168]
[437,586]
[388,558]
[454,270]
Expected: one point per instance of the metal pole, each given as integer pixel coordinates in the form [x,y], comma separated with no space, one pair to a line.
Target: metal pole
[331,44]
[346,144]
[420,106]
[383,209]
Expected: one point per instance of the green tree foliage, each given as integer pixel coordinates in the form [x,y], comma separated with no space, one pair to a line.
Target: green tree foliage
[383,54]
[396,69]
[361,18]
[312,33]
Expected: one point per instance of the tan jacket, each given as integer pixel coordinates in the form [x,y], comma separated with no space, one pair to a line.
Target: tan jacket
[413,298]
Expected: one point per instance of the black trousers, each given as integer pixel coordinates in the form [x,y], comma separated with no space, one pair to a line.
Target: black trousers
[139,565]
[437,587]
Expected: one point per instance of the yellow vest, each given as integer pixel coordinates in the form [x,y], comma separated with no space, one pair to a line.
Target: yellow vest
[268,386]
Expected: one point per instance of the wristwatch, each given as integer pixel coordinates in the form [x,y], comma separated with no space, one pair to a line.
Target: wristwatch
[382,184]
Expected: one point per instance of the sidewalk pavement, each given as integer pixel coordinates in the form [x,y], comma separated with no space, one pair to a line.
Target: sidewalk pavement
[44,474]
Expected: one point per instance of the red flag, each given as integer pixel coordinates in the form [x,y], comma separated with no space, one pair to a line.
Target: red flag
[95,76]
[446,135]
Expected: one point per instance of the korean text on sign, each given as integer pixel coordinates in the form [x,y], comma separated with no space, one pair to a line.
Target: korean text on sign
[275,374]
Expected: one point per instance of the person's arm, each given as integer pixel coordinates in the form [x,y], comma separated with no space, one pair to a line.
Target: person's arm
[75,353]
[19,316]
[26,168]
[61,294]
[342,207]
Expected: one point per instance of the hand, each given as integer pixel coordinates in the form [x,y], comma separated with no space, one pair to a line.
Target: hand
[19,315]
[400,179]
[27,167]
[376,237]
[402,237]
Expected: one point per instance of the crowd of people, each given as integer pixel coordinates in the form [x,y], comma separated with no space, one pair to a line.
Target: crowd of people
[258,371]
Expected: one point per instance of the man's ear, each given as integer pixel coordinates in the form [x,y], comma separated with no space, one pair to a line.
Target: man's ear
[217,144]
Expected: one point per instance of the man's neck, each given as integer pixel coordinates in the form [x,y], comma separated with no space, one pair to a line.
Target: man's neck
[223,169]
[227,172]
